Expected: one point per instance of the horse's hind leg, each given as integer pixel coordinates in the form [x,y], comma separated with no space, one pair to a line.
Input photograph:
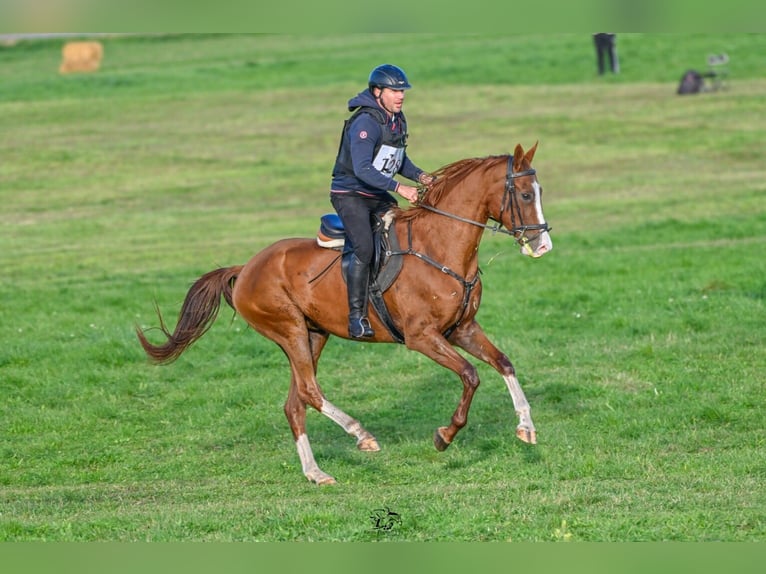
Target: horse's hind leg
[472,338]
[295,411]
[304,390]
[364,440]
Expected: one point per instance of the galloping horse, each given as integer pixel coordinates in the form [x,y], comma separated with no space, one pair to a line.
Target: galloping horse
[289,293]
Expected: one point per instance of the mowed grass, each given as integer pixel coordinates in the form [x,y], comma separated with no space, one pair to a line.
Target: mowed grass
[639,340]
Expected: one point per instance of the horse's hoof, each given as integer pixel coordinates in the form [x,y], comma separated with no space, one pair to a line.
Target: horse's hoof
[326,480]
[368,445]
[320,478]
[526,435]
[439,441]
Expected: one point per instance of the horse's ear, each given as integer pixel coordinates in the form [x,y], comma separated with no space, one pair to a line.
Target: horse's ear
[531,152]
[518,156]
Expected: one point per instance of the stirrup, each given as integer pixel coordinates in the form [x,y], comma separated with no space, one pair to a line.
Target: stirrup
[360,328]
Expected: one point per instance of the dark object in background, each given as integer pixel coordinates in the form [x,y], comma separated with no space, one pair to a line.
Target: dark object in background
[693,82]
[606,47]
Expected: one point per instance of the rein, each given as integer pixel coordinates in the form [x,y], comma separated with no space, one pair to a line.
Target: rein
[509,202]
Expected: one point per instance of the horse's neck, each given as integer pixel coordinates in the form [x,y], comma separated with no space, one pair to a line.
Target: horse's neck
[448,240]
[467,200]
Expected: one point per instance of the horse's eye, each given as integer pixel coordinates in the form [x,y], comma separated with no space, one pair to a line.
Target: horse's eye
[526,196]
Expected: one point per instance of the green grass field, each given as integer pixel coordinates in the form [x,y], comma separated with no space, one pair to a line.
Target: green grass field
[639,340]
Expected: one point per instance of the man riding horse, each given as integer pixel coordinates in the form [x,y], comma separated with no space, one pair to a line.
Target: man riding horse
[370,154]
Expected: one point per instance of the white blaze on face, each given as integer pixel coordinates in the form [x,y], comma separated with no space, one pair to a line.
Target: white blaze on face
[538,202]
[542,244]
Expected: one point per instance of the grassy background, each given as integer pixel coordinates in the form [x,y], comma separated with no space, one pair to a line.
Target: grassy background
[639,341]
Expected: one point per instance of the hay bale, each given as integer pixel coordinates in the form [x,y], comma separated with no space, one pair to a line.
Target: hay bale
[81,57]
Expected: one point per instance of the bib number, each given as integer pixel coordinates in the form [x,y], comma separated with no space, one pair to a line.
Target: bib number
[388,160]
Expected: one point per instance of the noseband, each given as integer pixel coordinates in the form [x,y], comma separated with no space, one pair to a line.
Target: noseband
[511,203]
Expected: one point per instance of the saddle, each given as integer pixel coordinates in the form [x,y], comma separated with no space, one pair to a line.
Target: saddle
[385,267]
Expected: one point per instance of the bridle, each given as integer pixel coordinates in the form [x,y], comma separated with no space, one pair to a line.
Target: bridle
[518,232]
[511,203]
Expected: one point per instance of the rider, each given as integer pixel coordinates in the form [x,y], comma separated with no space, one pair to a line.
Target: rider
[371,153]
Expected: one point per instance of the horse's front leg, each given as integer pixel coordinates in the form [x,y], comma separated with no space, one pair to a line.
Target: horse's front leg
[433,345]
[471,337]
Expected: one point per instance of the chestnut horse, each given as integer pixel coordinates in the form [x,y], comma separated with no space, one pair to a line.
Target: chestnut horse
[289,292]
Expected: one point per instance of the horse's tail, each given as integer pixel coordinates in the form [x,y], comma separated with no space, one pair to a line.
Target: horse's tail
[199,310]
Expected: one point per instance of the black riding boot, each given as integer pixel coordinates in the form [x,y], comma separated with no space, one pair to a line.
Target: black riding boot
[358,278]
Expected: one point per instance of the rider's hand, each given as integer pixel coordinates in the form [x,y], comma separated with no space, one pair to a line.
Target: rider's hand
[408,192]
[426,179]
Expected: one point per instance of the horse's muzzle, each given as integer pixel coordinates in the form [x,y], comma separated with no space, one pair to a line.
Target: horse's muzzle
[538,246]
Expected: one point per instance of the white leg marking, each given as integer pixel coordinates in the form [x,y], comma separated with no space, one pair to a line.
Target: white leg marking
[347,423]
[364,440]
[310,468]
[519,402]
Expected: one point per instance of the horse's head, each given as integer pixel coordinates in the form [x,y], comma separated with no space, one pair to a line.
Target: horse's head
[511,197]
[522,206]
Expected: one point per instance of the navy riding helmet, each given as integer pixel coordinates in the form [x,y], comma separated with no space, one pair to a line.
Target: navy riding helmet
[389,76]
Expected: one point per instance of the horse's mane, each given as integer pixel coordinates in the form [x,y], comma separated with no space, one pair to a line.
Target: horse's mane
[447,177]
